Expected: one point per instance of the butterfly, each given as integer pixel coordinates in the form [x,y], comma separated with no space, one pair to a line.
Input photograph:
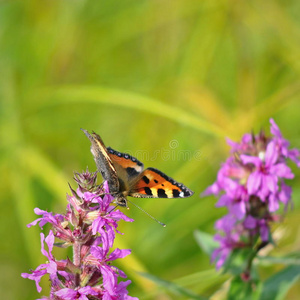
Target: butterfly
[126,175]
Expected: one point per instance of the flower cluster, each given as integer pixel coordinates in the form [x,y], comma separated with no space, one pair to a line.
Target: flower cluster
[89,226]
[251,184]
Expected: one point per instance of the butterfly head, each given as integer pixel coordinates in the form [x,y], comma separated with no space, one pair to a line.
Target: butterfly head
[121,200]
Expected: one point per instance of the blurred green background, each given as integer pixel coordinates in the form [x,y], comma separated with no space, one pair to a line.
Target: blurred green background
[151,77]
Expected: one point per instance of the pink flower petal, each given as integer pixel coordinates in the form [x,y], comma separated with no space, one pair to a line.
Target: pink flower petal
[272,154]
[254,182]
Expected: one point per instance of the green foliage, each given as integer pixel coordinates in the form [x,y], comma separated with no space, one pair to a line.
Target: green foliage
[240,290]
[205,242]
[173,288]
[276,287]
[141,74]
[238,261]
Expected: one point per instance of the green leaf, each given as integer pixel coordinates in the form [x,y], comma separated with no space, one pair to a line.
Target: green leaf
[276,287]
[240,289]
[285,260]
[203,280]
[238,260]
[205,241]
[172,287]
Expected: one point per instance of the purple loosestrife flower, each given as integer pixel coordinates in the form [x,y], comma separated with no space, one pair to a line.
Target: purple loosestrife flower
[251,184]
[89,226]
[48,268]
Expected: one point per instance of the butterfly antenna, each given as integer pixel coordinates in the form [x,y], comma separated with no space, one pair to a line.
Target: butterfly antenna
[160,223]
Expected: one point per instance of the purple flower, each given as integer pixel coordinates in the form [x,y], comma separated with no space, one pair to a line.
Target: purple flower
[89,226]
[48,268]
[235,199]
[264,179]
[106,221]
[227,244]
[244,146]
[257,226]
[226,223]
[74,294]
[122,292]
[282,144]
[106,224]
[251,184]
[57,221]
[109,273]
[47,217]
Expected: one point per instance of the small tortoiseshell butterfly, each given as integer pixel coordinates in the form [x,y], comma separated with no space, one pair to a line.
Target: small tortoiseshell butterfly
[126,175]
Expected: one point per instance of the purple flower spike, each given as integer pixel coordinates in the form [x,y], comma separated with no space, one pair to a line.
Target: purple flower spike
[251,184]
[89,226]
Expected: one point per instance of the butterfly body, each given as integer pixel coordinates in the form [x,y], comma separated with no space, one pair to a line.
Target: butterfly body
[126,175]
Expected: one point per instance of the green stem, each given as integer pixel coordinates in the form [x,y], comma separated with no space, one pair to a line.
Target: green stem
[253,255]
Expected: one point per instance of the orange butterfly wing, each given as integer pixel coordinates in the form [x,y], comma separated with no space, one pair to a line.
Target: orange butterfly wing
[128,168]
[153,183]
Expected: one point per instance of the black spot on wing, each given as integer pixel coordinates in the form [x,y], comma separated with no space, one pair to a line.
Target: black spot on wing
[131,172]
[186,192]
[175,193]
[161,193]
[148,191]
[146,179]
[155,181]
